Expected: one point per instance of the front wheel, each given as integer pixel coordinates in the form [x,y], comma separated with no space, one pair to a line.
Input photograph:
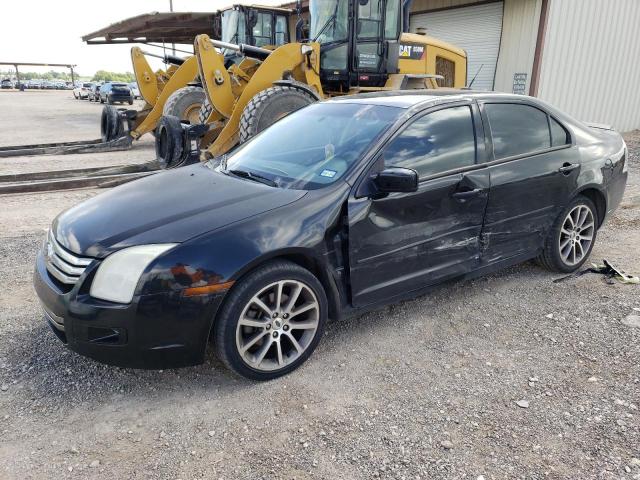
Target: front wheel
[271,322]
[571,238]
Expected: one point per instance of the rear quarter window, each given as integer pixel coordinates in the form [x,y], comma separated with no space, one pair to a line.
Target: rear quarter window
[559,136]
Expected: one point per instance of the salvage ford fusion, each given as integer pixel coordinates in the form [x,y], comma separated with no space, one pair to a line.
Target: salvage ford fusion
[340,207]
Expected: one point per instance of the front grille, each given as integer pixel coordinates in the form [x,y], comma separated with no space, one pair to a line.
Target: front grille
[65,266]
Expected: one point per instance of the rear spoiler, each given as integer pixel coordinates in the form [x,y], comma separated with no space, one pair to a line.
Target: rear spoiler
[599,126]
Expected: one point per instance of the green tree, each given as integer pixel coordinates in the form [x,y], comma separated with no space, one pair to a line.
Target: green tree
[105,76]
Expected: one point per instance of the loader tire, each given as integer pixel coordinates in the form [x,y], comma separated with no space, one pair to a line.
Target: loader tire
[169,142]
[205,110]
[185,104]
[269,106]
[110,124]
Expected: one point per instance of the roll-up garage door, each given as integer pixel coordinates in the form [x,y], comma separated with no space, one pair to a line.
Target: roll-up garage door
[477,29]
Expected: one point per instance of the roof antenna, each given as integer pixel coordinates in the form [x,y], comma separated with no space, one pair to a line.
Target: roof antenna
[475,76]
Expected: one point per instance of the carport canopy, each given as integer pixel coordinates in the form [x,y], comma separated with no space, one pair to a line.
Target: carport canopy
[155,27]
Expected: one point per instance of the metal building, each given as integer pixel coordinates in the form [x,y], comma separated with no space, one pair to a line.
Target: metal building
[580,55]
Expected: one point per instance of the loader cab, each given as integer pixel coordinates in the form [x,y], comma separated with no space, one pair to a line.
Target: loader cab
[253,25]
[359,40]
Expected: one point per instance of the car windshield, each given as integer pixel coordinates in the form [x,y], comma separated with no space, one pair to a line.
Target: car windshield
[312,147]
[328,20]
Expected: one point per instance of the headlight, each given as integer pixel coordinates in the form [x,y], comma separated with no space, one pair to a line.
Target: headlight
[118,275]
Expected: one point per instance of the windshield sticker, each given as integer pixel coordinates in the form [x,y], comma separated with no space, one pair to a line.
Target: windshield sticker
[328,173]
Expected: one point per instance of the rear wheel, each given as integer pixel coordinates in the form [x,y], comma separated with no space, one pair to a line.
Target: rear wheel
[571,238]
[271,321]
[269,106]
[185,104]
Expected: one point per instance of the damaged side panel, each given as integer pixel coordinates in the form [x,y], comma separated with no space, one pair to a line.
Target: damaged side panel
[404,242]
[526,196]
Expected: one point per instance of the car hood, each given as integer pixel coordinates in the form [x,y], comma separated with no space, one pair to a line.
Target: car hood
[167,207]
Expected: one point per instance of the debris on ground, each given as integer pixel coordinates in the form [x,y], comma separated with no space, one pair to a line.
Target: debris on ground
[608,269]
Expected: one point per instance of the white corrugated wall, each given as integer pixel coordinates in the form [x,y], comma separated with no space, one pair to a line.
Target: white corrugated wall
[518,45]
[476,28]
[591,60]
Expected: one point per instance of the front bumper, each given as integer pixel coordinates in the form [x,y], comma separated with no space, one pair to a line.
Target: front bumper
[163,330]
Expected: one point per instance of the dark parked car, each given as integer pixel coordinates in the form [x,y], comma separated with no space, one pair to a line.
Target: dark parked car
[340,207]
[6,83]
[116,92]
[94,92]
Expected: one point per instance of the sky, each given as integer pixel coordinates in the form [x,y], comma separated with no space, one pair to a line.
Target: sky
[50,31]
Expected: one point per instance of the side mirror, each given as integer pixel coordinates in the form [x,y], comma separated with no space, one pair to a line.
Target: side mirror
[396,180]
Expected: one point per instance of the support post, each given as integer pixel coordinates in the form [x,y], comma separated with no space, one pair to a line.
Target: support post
[17,76]
[73,78]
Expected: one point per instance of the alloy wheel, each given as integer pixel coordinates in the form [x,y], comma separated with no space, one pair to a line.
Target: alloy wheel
[576,234]
[277,325]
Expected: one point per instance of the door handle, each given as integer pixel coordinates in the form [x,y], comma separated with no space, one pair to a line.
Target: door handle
[567,168]
[466,194]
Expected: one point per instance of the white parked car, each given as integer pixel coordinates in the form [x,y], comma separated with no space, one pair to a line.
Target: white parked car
[81,91]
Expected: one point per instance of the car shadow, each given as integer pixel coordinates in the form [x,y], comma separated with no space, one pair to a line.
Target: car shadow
[35,363]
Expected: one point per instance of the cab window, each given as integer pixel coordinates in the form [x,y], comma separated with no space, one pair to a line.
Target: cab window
[392,20]
[262,29]
[369,18]
[282,30]
[437,142]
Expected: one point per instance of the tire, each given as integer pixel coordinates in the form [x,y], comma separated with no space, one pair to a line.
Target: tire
[205,110]
[567,248]
[185,104]
[109,101]
[130,101]
[229,336]
[102,100]
[110,125]
[169,142]
[269,106]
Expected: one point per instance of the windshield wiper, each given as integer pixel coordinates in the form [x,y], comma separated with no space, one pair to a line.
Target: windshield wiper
[253,176]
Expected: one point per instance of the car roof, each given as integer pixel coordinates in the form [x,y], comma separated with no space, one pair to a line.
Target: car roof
[411,98]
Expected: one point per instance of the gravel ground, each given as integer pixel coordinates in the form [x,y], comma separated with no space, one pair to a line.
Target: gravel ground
[43,116]
[507,376]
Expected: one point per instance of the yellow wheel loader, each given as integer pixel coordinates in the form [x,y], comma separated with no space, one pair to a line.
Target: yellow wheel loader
[177,90]
[357,46]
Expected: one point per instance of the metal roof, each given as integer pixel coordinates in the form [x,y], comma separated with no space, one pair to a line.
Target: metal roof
[167,27]
[156,27]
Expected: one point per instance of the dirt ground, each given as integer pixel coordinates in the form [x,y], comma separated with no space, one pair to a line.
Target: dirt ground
[424,389]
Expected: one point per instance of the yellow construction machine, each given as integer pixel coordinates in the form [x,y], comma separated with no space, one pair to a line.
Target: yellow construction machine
[356,46]
[177,90]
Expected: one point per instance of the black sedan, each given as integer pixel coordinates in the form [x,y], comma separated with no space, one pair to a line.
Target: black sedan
[338,208]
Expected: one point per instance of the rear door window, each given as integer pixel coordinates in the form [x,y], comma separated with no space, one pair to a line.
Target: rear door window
[437,142]
[517,129]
